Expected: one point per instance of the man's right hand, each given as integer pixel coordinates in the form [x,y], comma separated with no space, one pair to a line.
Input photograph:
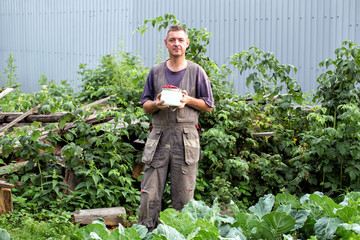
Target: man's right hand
[159,103]
[152,106]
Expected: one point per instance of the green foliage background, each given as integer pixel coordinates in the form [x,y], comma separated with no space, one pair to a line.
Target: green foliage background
[312,150]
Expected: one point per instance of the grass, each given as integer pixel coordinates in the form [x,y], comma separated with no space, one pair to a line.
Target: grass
[45,225]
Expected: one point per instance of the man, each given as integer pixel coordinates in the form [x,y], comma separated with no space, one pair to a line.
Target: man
[173,146]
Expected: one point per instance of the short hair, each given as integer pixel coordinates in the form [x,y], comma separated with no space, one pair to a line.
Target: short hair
[176,28]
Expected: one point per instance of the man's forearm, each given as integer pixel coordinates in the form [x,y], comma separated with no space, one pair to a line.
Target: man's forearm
[150,106]
[198,104]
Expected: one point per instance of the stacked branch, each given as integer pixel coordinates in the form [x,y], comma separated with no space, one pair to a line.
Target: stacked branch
[11,120]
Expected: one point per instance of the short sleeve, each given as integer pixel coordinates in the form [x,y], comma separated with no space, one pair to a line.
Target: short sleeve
[204,90]
[148,92]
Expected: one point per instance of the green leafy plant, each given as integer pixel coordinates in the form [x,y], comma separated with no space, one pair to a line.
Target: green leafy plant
[119,74]
[338,85]
[199,39]
[332,152]
[270,77]
[10,72]
[313,216]
[330,147]
[53,98]
[308,150]
[32,223]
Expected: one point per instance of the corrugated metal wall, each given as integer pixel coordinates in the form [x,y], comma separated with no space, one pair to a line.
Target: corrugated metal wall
[55,36]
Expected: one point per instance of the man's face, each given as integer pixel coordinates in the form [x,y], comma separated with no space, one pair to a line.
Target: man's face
[176,43]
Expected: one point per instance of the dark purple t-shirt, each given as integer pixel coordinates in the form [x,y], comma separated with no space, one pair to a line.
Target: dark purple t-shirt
[203,87]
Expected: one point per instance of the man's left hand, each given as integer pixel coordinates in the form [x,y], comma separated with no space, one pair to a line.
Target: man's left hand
[185,99]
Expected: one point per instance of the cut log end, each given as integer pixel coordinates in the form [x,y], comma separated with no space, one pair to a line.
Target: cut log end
[6,204]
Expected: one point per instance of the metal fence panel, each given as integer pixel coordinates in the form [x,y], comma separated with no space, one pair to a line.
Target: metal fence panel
[54,37]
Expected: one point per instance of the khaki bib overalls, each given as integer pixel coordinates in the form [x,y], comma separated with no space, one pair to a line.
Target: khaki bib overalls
[173,148]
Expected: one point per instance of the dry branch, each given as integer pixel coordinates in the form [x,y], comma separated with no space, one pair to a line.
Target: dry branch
[98,102]
[18,119]
[6,117]
[5,92]
[15,166]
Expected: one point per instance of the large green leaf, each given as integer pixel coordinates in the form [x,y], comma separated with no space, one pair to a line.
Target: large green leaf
[167,232]
[235,233]
[316,211]
[122,233]
[348,214]
[264,206]
[244,220]
[275,224]
[198,209]
[206,225]
[287,199]
[353,227]
[4,235]
[326,203]
[157,237]
[180,221]
[206,235]
[325,227]
[92,231]
[140,229]
[195,209]
[204,230]
[351,199]
[300,216]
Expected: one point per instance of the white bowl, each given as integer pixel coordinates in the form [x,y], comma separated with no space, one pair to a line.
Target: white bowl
[172,96]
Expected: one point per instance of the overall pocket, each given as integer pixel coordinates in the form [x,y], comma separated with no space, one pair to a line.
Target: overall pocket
[151,145]
[191,145]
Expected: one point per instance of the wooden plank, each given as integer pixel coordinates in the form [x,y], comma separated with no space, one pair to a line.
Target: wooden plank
[13,86]
[7,118]
[6,204]
[111,216]
[5,92]
[97,102]
[21,125]
[92,118]
[18,119]
[264,134]
[4,184]
[15,166]
[307,108]
[17,114]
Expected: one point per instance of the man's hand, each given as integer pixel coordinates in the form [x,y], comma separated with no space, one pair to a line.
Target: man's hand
[198,104]
[185,99]
[152,106]
[159,103]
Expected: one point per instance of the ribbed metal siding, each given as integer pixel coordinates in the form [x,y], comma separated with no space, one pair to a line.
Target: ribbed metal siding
[53,37]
